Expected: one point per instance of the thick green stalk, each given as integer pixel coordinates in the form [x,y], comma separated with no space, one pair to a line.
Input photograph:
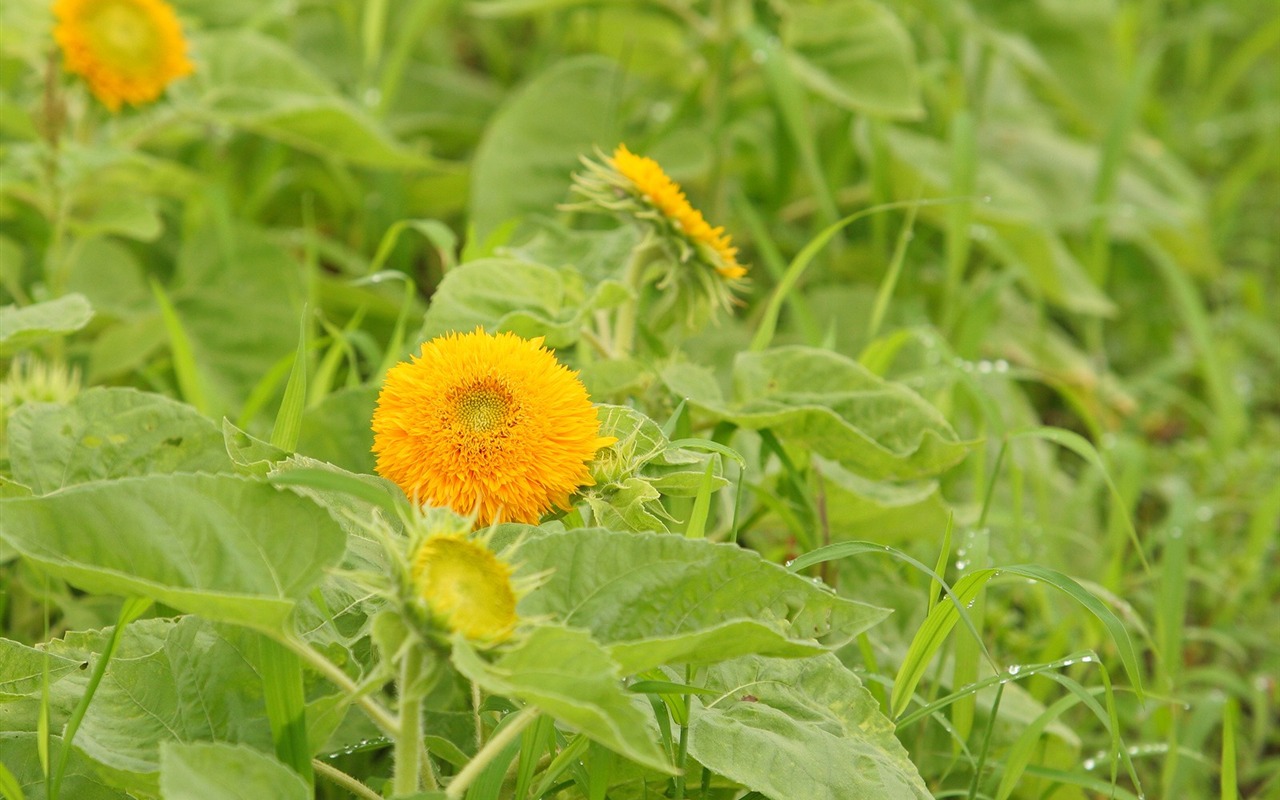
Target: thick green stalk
[633,276]
[409,738]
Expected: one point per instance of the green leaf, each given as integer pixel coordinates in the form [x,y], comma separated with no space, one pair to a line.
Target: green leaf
[218,545]
[284,433]
[810,728]
[183,680]
[567,674]
[106,433]
[219,771]
[339,429]
[262,86]
[503,294]
[23,669]
[823,401]
[22,326]
[533,142]
[252,455]
[82,780]
[933,632]
[656,599]
[633,475]
[129,215]
[238,295]
[856,54]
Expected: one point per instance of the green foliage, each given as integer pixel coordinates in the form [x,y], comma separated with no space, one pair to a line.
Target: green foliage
[1008,302]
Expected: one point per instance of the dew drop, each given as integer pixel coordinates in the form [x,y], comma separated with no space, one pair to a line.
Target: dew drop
[1086,659]
[1014,670]
[1089,764]
[961,564]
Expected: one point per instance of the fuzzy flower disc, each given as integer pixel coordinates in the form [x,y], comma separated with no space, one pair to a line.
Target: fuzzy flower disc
[655,186]
[126,50]
[483,424]
[466,587]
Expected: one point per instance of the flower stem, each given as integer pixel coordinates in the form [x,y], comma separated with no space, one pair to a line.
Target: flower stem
[633,277]
[473,769]
[407,778]
[340,778]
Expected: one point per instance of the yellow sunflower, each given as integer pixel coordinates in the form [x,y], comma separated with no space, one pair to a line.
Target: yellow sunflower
[657,188]
[127,50]
[486,425]
[466,586]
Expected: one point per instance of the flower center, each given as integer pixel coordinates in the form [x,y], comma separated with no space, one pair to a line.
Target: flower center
[124,33]
[482,407]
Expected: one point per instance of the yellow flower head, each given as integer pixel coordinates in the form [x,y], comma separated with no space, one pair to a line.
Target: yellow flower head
[466,587]
[656,188]
[486,425]
[127,50]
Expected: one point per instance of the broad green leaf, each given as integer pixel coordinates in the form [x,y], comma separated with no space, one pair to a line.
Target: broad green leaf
[503,294]
[106,433]
[567,674]
[810,728]
[832,405]
[130,215]
[183,680]
[218,545]
[533,143]
[82,780]
[895,511]
[656,599]
[260,85]
[22,326]
[23,669]
[250,454]
[339,429]
[108,274]
[238,296]
[219,771]
[856,54]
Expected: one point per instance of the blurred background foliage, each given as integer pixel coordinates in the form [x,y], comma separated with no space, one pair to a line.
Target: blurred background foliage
[1095,249]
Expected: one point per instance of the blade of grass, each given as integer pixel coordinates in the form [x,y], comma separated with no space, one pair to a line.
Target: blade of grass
[288,424]
[9,787]
[1230,715]
[534,742]
[792,106]
[286,705]
[564,760]
[776,265]
[129,611]
[1110,163]
[944,558]
[1081,447]
[964,171]
[1230,420]
[965,669]
[190,383]
[933,632]
[804,259]
[959,602]
[890,280]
